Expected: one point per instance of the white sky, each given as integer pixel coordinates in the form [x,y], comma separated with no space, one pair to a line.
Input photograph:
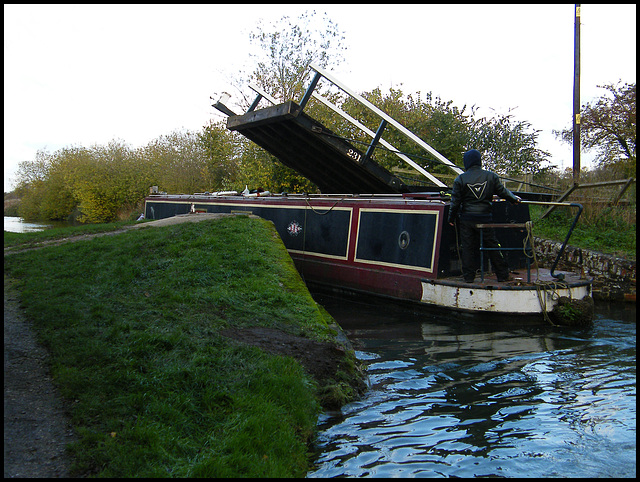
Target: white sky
[87,74]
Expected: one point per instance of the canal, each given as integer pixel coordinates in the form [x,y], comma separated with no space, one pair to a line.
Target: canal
[15,224]
[452,398]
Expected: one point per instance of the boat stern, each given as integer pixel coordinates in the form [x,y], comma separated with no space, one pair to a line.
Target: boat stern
[515,297]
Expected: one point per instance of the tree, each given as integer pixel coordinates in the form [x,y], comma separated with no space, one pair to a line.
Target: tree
[43,190]
[283,71]
[259,169]
[105,183]
[286,49]
[442,125]
[508,146]
[608,126]
[221,148]
[31,177]
[178,163]
[106,180]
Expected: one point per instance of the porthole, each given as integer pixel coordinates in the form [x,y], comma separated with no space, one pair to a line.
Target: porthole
[404,240]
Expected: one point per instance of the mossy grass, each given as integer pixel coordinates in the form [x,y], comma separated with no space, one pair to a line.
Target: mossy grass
[132,324]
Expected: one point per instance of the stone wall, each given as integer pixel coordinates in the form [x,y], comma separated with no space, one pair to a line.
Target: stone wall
[614,279]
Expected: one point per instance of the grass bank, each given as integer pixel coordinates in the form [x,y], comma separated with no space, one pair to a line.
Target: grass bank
[37,237]
[610,230]
[134,326]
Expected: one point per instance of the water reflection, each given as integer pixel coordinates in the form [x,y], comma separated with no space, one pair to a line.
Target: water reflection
[450,398]
[17,225]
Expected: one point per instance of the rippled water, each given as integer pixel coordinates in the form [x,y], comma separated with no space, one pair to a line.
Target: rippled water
[452,398]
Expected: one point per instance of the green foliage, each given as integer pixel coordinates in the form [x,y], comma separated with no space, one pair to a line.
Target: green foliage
[11,204]
[105,183]
[442,125]
[180,162]
[221,150]
[31,203]
[285,49]
[100,182]
[156,389]
[106,179]
[508,146]
[43,190]
[258,168]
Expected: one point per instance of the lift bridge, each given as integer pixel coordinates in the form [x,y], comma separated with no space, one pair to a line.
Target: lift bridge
[332,163]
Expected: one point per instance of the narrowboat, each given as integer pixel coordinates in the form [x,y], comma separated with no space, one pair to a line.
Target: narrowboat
[368,231]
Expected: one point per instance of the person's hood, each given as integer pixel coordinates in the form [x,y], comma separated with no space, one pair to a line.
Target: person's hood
[472,158]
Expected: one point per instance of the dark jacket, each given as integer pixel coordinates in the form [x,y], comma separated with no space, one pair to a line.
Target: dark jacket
[473,190]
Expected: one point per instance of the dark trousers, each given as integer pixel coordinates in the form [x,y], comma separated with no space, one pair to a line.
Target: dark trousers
[470,240]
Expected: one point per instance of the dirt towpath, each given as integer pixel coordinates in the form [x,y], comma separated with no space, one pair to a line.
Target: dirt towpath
[36,429]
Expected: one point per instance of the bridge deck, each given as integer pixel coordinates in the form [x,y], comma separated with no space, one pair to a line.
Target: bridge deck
[302,143]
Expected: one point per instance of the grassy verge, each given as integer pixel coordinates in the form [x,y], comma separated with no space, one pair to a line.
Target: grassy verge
[132,325]
[29,239]
[609,230]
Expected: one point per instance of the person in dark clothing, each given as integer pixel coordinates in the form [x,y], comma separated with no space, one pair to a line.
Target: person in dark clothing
[473,191]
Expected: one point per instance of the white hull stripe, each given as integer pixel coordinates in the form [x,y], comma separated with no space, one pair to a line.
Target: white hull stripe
[525,301]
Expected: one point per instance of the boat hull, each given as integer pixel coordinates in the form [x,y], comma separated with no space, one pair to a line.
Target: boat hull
[511,298]
[399,247]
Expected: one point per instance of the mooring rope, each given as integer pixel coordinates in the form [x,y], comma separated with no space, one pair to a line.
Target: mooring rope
[529,239]
[542,287]
[542,290]
[304,229]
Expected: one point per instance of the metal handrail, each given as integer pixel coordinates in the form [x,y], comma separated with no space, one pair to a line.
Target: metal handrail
[320,72]
[482,248]
[559,276]
[566,240]
[370,133]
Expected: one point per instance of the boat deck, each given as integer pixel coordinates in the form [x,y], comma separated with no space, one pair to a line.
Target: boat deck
[518,280]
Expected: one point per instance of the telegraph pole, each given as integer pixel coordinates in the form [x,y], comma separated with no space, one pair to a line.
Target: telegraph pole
[576,98]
